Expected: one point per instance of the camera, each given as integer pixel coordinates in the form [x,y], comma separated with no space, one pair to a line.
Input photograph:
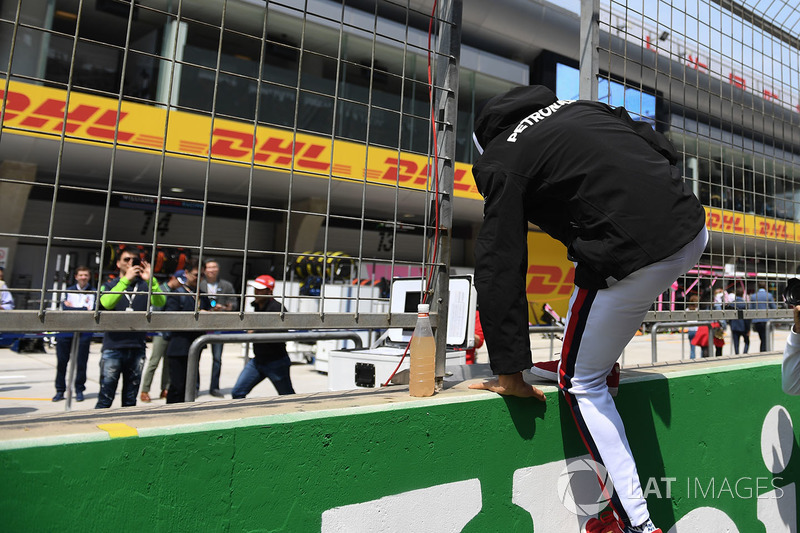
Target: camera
[136,261]
[791,294]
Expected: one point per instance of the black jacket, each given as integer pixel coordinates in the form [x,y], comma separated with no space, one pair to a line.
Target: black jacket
[180,341]
[599,182]
[266,352]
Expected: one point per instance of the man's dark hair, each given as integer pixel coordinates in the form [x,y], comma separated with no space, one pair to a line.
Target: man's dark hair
[84,268]
[190,264]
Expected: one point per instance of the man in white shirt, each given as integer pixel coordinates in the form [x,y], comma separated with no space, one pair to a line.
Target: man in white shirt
[75,301]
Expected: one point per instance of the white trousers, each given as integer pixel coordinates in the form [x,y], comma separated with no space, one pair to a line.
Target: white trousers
[600,323]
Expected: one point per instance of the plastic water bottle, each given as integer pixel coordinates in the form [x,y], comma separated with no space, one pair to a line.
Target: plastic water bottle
[423,355]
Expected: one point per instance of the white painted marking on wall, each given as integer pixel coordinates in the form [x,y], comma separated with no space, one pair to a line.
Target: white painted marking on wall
[443,508]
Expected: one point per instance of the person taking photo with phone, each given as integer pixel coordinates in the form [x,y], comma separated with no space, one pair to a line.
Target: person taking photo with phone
[123,352]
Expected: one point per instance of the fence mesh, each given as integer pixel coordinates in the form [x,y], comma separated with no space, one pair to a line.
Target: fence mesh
[721,80]
[294,139]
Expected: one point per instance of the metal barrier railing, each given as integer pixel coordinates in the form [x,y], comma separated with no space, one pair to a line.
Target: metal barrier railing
[692,323]
[224,338]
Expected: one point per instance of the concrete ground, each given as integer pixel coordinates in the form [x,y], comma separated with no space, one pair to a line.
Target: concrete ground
[27,379]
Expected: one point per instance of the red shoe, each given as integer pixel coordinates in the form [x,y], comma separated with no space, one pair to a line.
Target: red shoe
[606,522]
[612,380]
[549,370]
[546,369]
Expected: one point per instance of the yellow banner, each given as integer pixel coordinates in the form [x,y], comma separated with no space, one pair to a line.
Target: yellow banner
[736,223]
[550,276]
[39,111]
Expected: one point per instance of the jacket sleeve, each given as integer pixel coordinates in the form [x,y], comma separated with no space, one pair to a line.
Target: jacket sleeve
[110,297]
[157,300]
[790,369]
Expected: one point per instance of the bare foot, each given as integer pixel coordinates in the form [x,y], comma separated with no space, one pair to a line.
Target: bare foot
[510,385]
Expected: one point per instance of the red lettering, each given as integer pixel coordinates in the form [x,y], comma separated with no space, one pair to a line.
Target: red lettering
[696,63]
[105,125]
[54,109]
[14,102]
[713,220]
[769,95]
[231,144]
[400,170]
[737,81]
[547,279]
[309,158]
[282,150]
[458,177]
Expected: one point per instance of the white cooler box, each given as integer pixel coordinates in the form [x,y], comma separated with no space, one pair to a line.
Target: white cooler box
[352,369]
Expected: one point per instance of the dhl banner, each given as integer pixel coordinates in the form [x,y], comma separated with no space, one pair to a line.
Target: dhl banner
[550,276]
[39,111]
[752,225]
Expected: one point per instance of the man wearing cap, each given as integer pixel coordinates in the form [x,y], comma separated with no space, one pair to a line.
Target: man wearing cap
[270,358]
[159,346]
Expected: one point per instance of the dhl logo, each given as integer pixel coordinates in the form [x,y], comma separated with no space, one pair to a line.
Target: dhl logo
[739,223]
[48,116]
[275,150]
[409,172]
[725,222]
[546,280]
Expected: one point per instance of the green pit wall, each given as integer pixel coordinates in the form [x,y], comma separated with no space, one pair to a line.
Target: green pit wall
[380,461]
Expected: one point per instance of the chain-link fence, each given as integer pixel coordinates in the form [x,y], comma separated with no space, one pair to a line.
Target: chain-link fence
[308,141]
[721,80]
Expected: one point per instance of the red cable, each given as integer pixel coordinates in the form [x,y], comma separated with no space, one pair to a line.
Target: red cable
[429,280]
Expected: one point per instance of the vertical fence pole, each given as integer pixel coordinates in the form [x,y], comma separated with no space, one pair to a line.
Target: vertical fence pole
[589,56]
[446,116]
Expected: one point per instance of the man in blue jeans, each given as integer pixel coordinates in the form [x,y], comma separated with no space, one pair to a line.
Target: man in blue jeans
[123,352]
[270,358]
[762,300]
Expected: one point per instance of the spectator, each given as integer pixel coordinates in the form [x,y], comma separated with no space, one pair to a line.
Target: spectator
[182,299]
[270,358]
[6,299]
[762,300]
[75,301]
[215,288]
[124,351]
[692,305]
[740,327]
[158,348]
[471,357]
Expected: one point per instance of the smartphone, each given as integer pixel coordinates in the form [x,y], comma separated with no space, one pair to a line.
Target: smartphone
[136,261]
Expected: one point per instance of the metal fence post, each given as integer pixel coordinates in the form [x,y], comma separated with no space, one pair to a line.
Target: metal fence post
[446,107]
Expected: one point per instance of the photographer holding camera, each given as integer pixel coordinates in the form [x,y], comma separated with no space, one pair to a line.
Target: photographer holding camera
[790,370]
[124,351]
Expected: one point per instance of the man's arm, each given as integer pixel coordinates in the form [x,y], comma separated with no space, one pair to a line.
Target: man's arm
[158,300]
[230,302]
[110,297]
[790,369]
